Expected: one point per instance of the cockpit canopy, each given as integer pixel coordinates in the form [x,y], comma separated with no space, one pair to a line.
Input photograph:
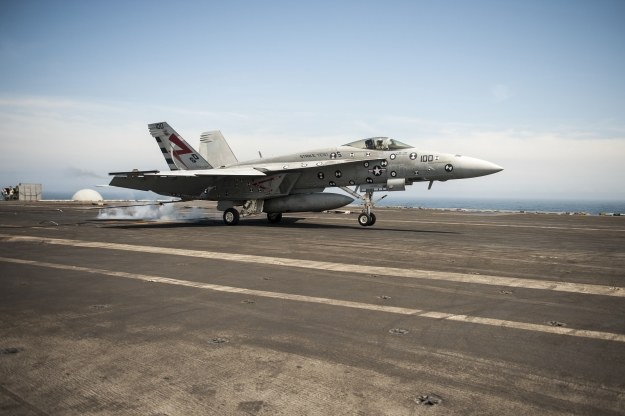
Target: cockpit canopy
[379,143]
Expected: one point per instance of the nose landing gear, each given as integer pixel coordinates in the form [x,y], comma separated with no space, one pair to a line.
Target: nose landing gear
[366,218]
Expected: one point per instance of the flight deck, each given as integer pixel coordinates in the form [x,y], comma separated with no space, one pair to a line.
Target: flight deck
[167,311]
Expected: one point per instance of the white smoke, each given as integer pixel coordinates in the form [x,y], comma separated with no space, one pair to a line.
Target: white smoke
[166,212]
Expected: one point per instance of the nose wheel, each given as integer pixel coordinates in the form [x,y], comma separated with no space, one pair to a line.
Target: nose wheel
[365,219]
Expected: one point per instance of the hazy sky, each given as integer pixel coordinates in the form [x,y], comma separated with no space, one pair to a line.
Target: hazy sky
[534,86]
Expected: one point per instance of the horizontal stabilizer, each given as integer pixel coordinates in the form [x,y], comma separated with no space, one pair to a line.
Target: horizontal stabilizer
[135,172]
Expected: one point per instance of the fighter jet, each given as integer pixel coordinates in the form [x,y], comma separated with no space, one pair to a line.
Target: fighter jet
[294,182]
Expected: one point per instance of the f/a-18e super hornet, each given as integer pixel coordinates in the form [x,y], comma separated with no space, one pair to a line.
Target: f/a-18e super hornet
[294,182]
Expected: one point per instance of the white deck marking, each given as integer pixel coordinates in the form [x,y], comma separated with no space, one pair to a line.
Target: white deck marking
[606,336]
[542,227]
[557,286]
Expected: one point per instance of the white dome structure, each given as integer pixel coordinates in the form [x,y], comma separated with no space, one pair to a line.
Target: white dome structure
[87,195]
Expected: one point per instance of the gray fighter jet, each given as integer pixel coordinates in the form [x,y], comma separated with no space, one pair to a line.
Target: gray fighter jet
[294,182]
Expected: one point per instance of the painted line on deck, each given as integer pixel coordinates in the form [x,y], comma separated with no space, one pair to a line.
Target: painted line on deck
[598,335]
[584,288]
[542,227]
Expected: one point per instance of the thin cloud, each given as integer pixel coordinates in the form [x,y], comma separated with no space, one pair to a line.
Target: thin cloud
[83,173]
[500,93]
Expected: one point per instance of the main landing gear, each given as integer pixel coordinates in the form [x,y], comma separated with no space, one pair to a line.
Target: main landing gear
[232,216]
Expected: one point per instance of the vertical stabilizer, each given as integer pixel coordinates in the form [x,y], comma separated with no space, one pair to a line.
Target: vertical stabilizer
[215,149]
[178,154]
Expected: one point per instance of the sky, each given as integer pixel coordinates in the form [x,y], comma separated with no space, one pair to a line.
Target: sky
[534,86]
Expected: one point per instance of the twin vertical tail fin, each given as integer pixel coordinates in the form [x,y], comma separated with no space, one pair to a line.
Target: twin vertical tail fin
[178,154]
[215,149]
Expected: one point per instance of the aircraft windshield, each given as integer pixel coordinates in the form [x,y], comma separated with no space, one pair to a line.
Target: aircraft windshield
[379,143]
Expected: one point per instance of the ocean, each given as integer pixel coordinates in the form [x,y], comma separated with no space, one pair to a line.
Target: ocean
[591,207]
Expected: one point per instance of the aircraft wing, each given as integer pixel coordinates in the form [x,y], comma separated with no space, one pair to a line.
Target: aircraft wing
[298,166]
[257,169]
[234,171]
[240,182]
[186,184]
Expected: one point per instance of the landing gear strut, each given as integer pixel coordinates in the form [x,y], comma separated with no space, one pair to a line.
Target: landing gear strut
[367,218]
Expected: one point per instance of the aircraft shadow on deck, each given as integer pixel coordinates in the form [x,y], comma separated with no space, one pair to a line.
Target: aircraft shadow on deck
[287,223]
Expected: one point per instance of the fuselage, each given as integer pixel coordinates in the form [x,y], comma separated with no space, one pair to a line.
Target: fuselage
[403,162]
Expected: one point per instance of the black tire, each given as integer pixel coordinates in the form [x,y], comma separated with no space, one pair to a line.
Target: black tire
[274,217]
[231,216]
[371,219]
[363,219]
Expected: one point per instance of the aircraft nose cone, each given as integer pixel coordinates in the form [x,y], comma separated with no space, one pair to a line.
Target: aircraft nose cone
[470,167]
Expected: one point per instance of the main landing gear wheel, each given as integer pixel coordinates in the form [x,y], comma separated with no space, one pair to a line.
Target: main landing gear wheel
[365,219]
[274,217]
[231,216]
